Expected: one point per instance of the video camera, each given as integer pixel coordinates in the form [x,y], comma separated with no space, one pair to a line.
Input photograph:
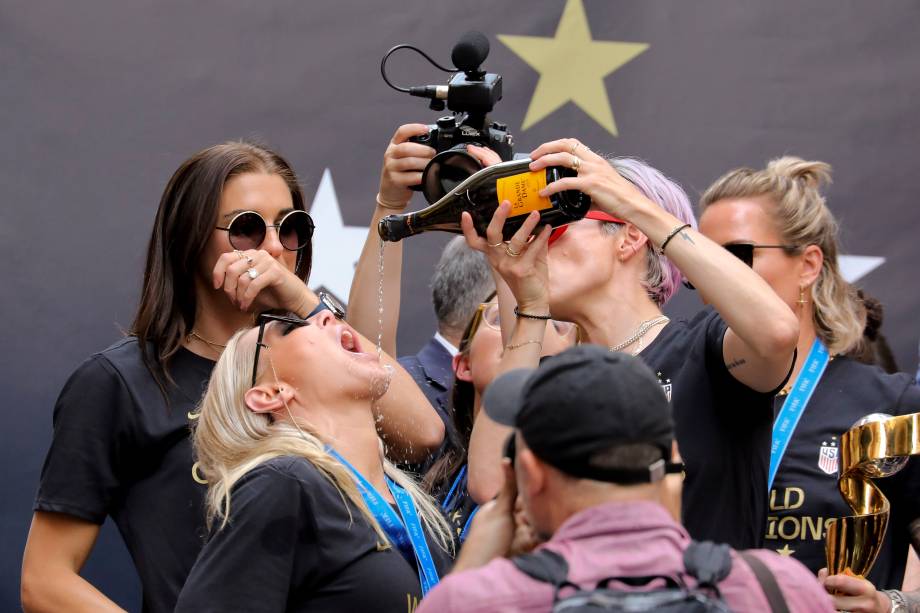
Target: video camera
[471,94]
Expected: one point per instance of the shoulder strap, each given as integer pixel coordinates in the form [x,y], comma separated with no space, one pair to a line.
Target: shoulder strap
[544,565]
[767,581]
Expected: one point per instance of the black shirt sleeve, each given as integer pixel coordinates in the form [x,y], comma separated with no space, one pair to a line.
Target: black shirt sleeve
[92,424]
[734,401]
[256,561]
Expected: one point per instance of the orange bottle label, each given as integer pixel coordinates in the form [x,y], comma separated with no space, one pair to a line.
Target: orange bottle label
[522,191]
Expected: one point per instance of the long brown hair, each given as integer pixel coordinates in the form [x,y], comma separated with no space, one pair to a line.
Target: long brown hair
[184,222]
[462,405]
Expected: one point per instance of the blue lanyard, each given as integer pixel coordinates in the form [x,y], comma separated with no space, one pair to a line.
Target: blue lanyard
[469,521]
[795,403]
[455,489]
[408,536]
[448,500]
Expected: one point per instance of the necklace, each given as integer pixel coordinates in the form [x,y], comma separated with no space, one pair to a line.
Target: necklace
[788,388]
[643,328]
[212,344]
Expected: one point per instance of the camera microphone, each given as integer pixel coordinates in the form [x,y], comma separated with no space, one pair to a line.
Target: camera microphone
[435,92]
[467,55]
[470,51]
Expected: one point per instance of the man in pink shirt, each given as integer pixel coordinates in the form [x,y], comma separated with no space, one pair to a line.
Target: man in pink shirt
[593,432]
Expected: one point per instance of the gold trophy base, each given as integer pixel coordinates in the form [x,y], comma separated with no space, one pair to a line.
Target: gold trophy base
[853,543]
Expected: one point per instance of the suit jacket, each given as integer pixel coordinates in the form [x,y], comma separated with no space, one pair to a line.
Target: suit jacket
[432,369]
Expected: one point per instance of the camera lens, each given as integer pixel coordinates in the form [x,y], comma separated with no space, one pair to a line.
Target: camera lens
[447,170]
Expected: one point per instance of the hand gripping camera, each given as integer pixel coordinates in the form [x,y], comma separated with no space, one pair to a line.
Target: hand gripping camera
[471,94]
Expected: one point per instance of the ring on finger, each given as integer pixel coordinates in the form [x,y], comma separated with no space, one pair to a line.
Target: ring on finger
[511,251]
[253,273]
[576,163]
[575,148]
[498,244]
[239,253]
[249,261]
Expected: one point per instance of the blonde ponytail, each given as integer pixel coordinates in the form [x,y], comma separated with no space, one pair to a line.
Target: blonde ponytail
[797,208]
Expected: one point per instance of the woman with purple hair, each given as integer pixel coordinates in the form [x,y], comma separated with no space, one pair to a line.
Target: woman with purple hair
[611,273]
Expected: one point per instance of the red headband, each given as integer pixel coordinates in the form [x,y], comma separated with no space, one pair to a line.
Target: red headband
[596,215]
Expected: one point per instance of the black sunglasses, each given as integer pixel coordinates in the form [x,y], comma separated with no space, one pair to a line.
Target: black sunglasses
[247,230]
[745,253]
[292,322]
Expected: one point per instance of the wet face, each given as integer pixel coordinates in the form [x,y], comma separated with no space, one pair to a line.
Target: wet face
[265,194]
[325,357]
[747,221]
[581,260]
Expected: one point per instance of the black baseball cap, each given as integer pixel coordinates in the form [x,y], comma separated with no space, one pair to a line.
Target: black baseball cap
[584,402]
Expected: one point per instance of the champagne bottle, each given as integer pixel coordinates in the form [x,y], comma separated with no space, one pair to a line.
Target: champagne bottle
[480,195]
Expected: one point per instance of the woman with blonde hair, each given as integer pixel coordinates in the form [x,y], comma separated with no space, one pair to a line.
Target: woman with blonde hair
[777,221]
[304,510]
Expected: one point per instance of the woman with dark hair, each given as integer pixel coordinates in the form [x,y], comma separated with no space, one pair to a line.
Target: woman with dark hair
[231,238]
[475,366]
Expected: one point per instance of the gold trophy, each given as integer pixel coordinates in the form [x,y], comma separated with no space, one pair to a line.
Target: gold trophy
[877,446]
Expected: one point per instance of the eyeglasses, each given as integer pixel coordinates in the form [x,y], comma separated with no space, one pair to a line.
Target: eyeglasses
[488,312]
[557,233]
[247,230]
[292,322]
[745,253]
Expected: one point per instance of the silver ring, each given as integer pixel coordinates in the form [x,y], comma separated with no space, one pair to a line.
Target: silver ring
[249,261]
[576,163]
[253,273]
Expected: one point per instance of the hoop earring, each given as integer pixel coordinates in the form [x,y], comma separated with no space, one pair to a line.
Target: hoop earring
[802,302]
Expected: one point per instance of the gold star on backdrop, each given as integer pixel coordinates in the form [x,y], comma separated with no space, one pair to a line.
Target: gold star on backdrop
[572,67]
[785,551]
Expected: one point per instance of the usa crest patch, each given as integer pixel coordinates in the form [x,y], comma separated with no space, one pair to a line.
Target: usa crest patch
[828,457]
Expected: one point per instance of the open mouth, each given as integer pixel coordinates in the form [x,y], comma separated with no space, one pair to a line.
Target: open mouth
[349,341]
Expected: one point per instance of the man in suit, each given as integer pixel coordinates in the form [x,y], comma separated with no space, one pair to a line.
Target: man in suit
[461,281]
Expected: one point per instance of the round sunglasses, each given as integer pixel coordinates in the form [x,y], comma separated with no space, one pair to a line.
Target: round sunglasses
[247,230]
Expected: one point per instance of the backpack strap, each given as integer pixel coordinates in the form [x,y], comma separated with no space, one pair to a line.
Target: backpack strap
[544,565]
[767,582]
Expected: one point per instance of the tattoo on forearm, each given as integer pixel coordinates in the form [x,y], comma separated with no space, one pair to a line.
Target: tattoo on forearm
[684,235]
[736,363]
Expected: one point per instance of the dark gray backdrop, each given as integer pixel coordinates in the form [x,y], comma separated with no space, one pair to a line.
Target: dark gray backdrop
[100,101]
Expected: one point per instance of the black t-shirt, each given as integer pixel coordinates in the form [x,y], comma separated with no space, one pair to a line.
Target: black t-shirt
[291,545]
[119,450]
[723,431]
[805,493]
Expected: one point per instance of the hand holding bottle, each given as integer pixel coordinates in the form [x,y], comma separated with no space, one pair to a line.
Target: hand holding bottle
[595,177]
[403,163]
[520,262]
